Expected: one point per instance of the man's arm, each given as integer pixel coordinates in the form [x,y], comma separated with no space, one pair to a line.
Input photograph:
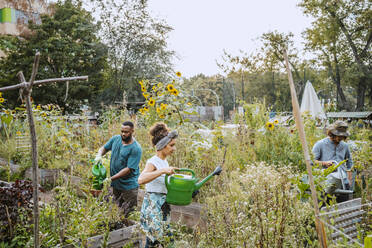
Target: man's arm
[121,173]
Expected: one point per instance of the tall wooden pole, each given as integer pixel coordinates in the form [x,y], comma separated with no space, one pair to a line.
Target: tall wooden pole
[26,90]
[35,170]
[300,127]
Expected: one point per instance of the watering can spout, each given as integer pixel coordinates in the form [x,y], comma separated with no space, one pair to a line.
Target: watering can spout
[217,171]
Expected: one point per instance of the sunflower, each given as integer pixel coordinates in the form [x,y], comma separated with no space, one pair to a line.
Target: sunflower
[170,87]
[154,88]
[146,108]
[145,94]
[157,110]
[178,74]
[1,94]
[163,106]
[19,133]
[1,100]
[142,111]
[189,103]
[162,116]
[6,112]
[44,114]
[270,126]
[151,102]
[140,82]
[276,122]
[143,88]
[175,92]
[38,107]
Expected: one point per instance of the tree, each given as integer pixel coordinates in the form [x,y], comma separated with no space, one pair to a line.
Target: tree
[354,19]
[136,44]
[323,39]
[69,46]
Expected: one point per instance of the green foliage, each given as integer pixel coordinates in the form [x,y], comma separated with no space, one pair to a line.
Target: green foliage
[69,47]
[257,208]
[137,47]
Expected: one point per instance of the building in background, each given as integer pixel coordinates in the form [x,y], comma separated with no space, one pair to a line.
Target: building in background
[16,14]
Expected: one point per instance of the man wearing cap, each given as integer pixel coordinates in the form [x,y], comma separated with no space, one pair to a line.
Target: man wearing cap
[124,166]
[331,150]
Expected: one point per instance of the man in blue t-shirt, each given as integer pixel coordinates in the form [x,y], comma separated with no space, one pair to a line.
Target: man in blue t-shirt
[124,166]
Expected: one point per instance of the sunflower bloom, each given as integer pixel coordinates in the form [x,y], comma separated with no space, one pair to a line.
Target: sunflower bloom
[19,133]
[270,126]
[162,116]
[189,103]
[38,107]
[1,100]
[175,92]
[140,82]
[157,110]
[142,111]
[163,106]
[1,94]
[178,74]
[145,94]
[276,122]
[44,114]
[146,108]
[143,88]
[151,102]
[170,87]
[6,112]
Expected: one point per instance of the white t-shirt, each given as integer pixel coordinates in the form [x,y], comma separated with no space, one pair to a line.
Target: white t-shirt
[157,185]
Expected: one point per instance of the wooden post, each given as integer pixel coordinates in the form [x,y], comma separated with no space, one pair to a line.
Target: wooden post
[26,90]
[300,127]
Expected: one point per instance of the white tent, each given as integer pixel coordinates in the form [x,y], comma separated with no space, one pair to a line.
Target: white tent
[310,102]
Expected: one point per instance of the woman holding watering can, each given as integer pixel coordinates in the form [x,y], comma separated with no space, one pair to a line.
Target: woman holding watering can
[155,212]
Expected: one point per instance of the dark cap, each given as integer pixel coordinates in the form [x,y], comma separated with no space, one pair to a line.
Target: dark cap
[339,128]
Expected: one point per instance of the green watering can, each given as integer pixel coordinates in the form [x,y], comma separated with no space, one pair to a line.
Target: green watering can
[182,187]
[99,173]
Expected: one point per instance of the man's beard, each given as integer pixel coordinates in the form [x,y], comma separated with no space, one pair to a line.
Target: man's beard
[127,139]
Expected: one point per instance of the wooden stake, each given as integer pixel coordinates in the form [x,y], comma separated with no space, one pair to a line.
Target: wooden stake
[300,127]
[26,90]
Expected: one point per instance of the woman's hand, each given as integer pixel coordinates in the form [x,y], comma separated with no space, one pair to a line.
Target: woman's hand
[169,170]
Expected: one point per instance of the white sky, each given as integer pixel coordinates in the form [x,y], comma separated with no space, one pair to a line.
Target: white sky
[203,28]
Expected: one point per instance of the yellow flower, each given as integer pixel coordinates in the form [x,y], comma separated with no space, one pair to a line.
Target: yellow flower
[1,100]
[38,107]
[189,103]
[178,74]
[19,133]
[276,122]
[162,116]
[270,126]
[175,92]
[151,102]
[142,111]
[146,108]
[143,88]
[158,110]
[44,114]
[141,83]
[1,94]
[170,87]
[6,112]
[145,94]
[163,106]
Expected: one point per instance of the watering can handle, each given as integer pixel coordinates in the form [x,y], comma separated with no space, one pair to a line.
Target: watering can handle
[185,170]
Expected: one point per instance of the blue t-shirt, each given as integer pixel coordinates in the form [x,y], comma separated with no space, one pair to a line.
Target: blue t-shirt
[123,156]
